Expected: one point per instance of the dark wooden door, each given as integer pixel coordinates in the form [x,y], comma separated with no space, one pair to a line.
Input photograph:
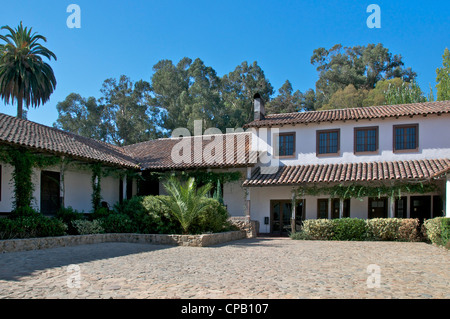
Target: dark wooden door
[378,207]
[420,207]
[335,202]
[50,199]
[280,216]
[401,207]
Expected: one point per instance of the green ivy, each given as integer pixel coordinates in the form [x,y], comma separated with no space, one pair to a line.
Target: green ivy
[201,177]
[23,161]
[360,191]
[96,188]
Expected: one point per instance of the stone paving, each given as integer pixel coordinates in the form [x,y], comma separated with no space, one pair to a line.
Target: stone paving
[243,269]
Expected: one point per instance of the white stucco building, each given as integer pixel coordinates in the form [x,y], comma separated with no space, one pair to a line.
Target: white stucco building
[280,158]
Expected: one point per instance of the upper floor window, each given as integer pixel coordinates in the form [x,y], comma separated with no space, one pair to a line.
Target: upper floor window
[406,137]
[286,144]
[366,139]
[328,142]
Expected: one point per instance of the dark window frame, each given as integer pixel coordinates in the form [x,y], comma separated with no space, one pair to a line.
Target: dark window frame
[355,140]
[278,144]
[323,200]
[404,127]
[318,133]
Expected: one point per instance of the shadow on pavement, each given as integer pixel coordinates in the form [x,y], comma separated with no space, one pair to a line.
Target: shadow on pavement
[14,265]
[264,241]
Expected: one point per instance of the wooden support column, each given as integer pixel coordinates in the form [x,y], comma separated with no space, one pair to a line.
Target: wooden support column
[294,205]
[124,192]
[391,207]
[247,196]
[62,190]
[330,207]
[447,196]
[341,207]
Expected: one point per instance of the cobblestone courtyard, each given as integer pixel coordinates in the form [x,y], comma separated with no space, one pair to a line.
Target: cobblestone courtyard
[248,268]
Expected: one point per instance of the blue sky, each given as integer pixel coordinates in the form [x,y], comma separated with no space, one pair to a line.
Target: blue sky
[129,37]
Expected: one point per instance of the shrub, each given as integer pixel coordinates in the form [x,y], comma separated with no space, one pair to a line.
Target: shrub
[359,229]
[409,229]
[317,229]
[383,228]
[445,232]
[213,219]
[185,201]
[437,230]
[31,226]
[101,212]
[157,217]
[132,207]
[67,215]
[118,223]
[24,211]
[85,227]
[349,229]
[300,235]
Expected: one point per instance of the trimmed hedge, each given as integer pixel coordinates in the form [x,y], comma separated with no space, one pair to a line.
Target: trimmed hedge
[141,214]
[359,229]
[349,229]
[437,231]
[31,226]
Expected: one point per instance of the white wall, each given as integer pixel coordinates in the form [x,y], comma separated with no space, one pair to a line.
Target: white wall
[433,140]
[261,197]
[234,196]
[6,188]
[233,192]
[78,189]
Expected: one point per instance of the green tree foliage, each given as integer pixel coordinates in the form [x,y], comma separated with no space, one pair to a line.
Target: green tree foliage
[377,95]
[81,116]
[238,89]
[360,66]
[127,118]
[185,201]
[406,93]
[287,100]
[178,94]
[191,91]
[443,78]
[349,97]
[121,116]
[24,76]
[170,84]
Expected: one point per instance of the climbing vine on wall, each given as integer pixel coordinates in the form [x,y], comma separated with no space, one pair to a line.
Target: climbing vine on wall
[360,191]
[23,162]
[96,188]
[216,179]
[202,177]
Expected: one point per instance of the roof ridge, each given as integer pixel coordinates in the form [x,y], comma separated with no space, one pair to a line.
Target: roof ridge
[353,109]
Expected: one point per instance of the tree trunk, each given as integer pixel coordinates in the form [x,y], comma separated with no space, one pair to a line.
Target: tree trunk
[19,108]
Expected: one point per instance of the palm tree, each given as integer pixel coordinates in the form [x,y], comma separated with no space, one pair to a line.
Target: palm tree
[24,76]
[185,201]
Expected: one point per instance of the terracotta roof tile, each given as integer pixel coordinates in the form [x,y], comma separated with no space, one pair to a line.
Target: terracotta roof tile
[351,172]
[371,112]
[157,154]
[44,138]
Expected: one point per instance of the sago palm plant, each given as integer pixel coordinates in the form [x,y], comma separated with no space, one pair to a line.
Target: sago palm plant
[185,200]
[24,76]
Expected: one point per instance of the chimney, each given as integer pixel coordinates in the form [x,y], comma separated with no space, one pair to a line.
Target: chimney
[259,110]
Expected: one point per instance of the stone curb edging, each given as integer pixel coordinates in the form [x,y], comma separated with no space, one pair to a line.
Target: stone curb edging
[203,240]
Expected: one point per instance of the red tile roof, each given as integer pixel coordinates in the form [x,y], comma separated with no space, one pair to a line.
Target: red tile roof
[351,172]
[157,154]
[43,138]
[371,112]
